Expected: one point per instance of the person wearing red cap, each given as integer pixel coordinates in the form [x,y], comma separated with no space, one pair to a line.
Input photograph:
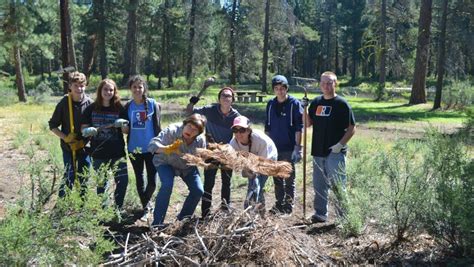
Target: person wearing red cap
[258,143]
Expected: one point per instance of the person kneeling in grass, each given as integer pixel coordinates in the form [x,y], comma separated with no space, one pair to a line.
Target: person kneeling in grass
[168,148]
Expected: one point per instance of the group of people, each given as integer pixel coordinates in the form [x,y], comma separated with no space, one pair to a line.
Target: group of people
[91,134]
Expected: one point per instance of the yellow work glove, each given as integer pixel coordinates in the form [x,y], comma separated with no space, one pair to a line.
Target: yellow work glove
[73,142]
[173,148]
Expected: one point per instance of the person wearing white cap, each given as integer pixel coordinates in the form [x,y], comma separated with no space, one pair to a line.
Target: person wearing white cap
[258,143]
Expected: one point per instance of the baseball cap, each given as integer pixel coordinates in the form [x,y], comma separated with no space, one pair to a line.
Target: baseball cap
[241,121]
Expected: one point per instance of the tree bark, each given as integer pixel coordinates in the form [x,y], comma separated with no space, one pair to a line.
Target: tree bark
[441,56]
[103,64]
[265,47]
[189,66]
[89,54]
[383,44]
[130,51]
[418,94]
[70,39]
[20,81]
[233,32]
[63,7]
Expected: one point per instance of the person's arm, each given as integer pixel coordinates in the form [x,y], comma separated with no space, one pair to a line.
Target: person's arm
[55,121]
[348,135]
[58,133]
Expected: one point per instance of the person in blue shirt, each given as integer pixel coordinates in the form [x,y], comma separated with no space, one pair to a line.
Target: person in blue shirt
[144,114]
[284,122]
[220,118]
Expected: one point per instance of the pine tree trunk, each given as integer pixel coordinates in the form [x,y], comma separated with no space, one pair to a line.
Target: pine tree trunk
[189,66]
[130,51]
[103,64]
[418,94]
[89,54]
[70,39]
[441,56]
[383,44]
[265,46]
[20,81]
[63,6]
[233,29]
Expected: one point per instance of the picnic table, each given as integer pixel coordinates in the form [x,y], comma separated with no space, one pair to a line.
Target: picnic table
[250,96]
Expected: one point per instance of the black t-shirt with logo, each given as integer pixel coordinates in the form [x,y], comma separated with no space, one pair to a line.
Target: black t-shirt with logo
[330,117]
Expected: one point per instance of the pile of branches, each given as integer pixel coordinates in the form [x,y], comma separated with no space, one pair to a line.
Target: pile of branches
[227,237]
[227,157]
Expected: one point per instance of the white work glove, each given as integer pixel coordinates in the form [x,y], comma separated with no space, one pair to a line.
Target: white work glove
[89,131]
[297,154]
[119,123]
[337,148]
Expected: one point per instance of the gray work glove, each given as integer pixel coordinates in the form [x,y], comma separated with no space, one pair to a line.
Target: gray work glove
[337,148]
[193,100]
[89,131]
[119,123]
[297,154]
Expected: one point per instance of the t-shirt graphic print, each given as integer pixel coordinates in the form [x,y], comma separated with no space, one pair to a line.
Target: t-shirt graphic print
[323,111]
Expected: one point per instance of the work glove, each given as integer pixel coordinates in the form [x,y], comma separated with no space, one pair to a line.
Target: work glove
[337,148]
[297,154]
[248,173]
[89,131]
[193,100]
[305,101]
[70,138]
[119,123]
[173,148]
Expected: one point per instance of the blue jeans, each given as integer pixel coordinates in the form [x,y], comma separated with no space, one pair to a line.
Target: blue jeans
[192,180]
[285,188]
[120,177]
[256,190]
[82,163]
[327,171]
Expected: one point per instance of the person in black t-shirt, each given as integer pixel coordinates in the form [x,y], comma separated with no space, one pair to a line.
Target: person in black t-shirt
[333,126]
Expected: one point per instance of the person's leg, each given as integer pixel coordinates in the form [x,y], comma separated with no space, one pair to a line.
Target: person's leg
[336,171]
[252,192]
[321,187]
[226,176]
[209,181]
[137,161]
[68,177]
[83,165]
[193,181]
[166,174]
[121,181]
[262,180]
[279,193]
[289,183]
[151,175]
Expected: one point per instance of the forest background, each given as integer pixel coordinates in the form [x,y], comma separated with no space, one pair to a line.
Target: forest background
[406,68]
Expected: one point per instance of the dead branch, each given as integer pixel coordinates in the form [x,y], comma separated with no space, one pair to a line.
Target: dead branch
[237,161]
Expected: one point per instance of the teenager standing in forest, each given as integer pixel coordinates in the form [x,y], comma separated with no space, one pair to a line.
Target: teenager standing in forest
[283,124]
[168,147]
[333,126]
[220,117]
[144,114]
[71,139]
[102,123]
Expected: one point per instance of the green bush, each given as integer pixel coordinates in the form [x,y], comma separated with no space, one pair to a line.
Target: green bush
[452,206]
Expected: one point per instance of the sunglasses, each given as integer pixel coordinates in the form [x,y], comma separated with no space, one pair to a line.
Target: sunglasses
[226,96]
[239,130]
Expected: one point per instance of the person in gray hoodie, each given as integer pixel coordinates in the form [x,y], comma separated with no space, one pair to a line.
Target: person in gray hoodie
[168,147]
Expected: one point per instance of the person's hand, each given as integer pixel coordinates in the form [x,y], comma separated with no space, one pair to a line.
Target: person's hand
[337,148]
[305,101]
[193,100]
[119,123]
[297,154]
[89,131]
[248,173]
[173,148]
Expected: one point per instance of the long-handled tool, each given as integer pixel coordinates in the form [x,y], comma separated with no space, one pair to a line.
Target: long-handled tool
[208,82]
[71,129]
[305,134]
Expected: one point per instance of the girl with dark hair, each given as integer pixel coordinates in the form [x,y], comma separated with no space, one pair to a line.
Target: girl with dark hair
[168,148]
[101,122]
[258,143]
[144,114]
